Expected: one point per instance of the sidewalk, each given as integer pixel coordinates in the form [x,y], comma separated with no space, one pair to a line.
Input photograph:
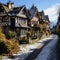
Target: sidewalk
[26,49]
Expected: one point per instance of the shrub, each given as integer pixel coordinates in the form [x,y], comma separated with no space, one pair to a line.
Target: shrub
[24,39]
[47,33]
[58,30]
[3,48]
[11,34]
[28,33]
[2,36]
[9,47]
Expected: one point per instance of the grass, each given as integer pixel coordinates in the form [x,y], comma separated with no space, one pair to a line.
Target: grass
[0,57]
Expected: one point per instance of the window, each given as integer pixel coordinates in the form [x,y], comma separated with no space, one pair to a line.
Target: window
[23,32]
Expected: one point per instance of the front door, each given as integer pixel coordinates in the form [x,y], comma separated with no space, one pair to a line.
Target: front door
[12,22]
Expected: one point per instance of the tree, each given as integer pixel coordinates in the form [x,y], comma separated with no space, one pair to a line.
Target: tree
[58,23]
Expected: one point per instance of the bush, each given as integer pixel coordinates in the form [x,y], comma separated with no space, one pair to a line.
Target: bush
[28,33]
[9,47]
[3,48]
[24,39]
[47,33]
[2,36]
[58,30]
[11,34]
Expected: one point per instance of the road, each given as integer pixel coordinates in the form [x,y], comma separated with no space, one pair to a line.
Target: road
[49,52]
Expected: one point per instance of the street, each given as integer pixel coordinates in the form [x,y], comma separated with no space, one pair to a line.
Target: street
[49,52]
[44,49]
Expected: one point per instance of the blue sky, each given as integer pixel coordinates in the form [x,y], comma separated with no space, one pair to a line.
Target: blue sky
[41,4]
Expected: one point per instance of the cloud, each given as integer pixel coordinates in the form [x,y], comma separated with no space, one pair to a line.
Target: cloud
[52,12]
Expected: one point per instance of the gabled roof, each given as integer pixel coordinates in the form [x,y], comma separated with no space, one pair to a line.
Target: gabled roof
[33,12]
[41,13]
[46,17]
[14,11]
[17,11]
[4,6]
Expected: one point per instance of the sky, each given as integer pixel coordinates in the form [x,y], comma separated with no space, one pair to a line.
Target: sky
[49,6]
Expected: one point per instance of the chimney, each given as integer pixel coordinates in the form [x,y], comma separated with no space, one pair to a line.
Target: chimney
[10,5]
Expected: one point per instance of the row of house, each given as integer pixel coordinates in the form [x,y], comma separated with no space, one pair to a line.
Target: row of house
[21,19]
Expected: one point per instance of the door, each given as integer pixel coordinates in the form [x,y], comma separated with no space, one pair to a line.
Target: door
[12,22]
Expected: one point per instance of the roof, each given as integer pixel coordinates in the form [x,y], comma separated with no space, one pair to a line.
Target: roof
[41,13]
[46,17]
[17,11]
[4,6]
[33,11]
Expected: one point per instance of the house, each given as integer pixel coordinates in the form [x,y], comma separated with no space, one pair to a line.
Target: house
[44,21]
[14,17]
[4,20]
[20,19]
[47,22]
[34,20]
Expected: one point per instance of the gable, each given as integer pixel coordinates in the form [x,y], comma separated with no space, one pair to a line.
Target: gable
[3,8]
[22,13]
[35,17]
[33,12]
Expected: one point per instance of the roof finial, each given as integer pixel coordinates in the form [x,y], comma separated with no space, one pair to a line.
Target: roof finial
[9,1]
[33,4]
